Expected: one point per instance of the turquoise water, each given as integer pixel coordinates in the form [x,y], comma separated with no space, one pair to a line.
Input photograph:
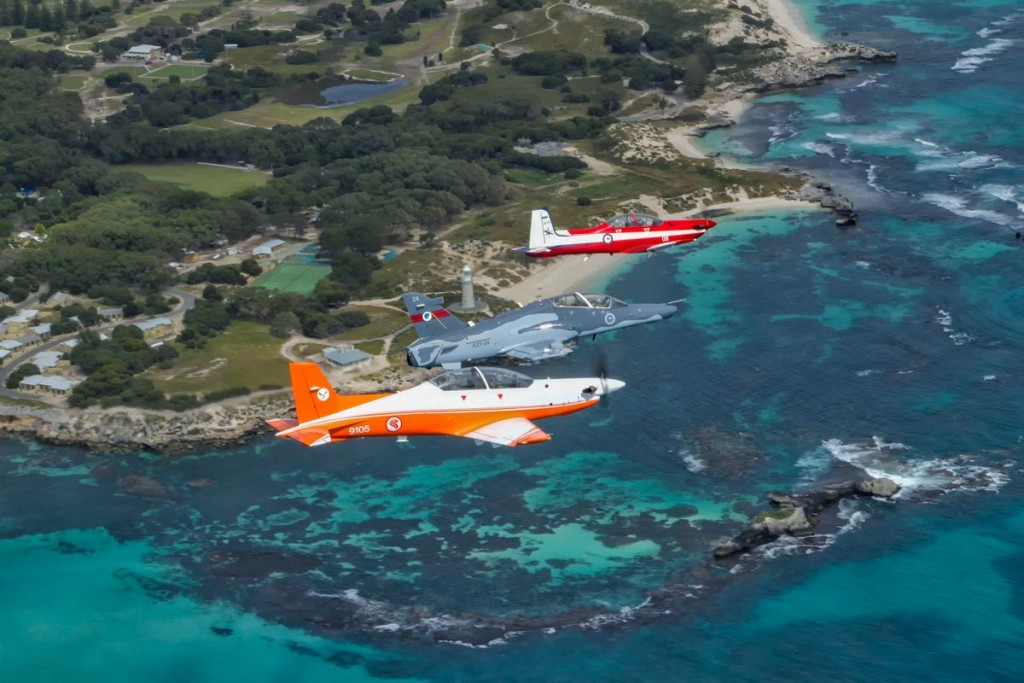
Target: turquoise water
[801,348]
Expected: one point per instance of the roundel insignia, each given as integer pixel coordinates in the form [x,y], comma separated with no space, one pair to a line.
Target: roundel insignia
[323,393]
[609,318]
[427,316]
[394,424]
[607,238]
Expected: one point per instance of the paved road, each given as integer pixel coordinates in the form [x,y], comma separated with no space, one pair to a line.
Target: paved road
[185,299]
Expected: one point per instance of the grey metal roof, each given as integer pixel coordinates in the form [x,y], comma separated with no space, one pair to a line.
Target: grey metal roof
[345,357]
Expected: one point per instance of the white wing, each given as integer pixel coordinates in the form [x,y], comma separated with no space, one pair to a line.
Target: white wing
[514,431]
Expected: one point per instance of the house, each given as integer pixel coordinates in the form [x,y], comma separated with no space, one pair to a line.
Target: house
[49,384]
[109,314]
[11,345]
[4,298]
[3,355]
[18,324]
[43,330]
[26,236]
[143,53]
[155,327]
[30,339]
[266,250]
[59,299]
[46,360]
[346,358]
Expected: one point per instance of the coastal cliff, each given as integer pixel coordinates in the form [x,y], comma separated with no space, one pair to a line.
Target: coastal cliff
[131,429]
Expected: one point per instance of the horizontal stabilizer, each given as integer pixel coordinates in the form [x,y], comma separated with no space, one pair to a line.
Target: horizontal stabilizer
[308,436]
[514,431]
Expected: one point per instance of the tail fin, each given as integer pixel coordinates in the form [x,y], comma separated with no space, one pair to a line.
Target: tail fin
[541,228]
[428,316]
[313,394]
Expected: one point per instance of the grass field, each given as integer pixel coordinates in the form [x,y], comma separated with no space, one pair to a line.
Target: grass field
[383,321]
[68,82]
[245,355]
[186,72]
[371,347]
[218,181]
[293,277]
[533,177]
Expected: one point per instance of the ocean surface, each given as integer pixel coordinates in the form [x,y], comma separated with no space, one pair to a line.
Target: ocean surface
[801,349]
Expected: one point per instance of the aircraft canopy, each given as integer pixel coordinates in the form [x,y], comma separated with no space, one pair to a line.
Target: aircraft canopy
[633,219]
[480,378]
[577,300]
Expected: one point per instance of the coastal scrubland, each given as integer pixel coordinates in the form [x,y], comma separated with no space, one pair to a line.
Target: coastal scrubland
[133,179]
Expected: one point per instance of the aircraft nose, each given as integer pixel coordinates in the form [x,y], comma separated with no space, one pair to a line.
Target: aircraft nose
[708,224]
[610,386]
[666,311]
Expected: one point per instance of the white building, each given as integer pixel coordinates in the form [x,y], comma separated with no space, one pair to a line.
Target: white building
[266,250]
[46,360]
[144,52]
[51,384]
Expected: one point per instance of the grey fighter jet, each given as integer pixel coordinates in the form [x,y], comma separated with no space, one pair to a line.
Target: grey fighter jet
[535,332]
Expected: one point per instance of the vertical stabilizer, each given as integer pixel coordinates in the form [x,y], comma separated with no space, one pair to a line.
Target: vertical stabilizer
[313,394]
[428,315]
[541,228]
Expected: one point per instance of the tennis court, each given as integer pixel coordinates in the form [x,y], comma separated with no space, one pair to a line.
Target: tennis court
[292,277]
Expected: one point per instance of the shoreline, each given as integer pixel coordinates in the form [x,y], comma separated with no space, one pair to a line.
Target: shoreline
[808,61]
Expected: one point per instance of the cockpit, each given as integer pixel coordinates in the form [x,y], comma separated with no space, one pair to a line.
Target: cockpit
[470,378]
[629,220]
[577,300]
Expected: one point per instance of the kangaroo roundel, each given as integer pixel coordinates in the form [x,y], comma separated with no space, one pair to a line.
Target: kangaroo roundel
[607,239]
[427,316]
[323,393]
[394,424]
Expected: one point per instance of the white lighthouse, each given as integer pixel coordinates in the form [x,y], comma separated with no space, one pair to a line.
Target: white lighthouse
[468,302]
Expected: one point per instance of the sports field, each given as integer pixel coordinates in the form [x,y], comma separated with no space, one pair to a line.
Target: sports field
[186,72]
[294,277]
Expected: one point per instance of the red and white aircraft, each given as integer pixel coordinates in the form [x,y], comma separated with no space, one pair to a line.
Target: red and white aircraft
[630,233]
[485,404]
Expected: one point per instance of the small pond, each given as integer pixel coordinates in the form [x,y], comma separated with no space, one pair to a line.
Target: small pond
[350,93]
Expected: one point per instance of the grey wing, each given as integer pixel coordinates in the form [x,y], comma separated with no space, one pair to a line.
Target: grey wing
[540,350]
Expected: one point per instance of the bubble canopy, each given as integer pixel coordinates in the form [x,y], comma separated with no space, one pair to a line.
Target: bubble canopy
[480,378]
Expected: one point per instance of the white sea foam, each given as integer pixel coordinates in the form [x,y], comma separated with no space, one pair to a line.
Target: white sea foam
[693,462]
[958,206]
[870,80]
[833,116]
[971,59]
[1007,193]
[945,319]
[820,148]
[915,476]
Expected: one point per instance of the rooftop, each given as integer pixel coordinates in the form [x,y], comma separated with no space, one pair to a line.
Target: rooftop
[51,382]
[346,356]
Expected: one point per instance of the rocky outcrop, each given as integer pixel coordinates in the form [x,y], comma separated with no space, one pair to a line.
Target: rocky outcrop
[812,67]
[798,514]
[821,193]
[131,429]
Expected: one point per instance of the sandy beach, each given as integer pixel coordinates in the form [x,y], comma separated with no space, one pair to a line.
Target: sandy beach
[788,17]
[579,273]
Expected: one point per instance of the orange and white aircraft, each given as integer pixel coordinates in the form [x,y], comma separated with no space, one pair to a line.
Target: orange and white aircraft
[485,404]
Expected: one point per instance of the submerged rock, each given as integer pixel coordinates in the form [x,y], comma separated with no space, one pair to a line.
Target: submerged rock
[148,487]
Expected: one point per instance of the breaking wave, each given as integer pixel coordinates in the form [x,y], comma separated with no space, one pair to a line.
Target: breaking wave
[958,206]
[917,477]
[971,60]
